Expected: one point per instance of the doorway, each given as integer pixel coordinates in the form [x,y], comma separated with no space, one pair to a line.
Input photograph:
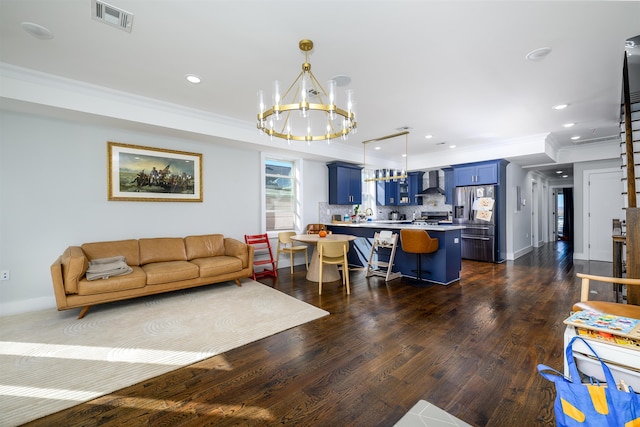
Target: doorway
[563,215]
[560,215]
[535,241]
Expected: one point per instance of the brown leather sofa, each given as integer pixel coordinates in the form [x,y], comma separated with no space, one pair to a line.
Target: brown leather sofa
[159,265]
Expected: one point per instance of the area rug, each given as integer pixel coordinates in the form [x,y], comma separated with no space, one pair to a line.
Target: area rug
[425,414]
[50,360]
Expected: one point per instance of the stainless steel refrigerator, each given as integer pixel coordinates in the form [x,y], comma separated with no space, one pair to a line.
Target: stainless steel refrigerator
[477,208]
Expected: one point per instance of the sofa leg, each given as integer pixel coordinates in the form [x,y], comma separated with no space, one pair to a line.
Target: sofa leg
[238,282]
[83,311]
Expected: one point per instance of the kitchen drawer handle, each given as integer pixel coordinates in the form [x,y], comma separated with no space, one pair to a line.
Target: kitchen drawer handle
[476,238]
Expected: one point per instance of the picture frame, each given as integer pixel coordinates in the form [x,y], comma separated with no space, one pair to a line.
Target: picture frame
[147,174]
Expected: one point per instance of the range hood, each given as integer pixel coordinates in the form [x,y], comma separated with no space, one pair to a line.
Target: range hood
[434,184]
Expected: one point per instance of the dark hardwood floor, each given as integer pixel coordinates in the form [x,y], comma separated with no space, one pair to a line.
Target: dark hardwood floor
[470,348]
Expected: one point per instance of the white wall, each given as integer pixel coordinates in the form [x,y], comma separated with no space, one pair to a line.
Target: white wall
[518,221]
[53,194]
[315,186]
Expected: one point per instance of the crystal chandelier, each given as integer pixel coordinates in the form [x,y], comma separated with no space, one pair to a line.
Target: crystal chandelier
[306,111]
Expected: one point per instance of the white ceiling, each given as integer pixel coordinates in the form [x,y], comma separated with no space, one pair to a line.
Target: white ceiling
[455,70]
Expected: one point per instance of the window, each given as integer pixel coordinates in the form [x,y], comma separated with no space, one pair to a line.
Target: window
[368,192]
[280,195]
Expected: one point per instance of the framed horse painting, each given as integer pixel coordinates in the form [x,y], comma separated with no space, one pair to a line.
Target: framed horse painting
[149,174]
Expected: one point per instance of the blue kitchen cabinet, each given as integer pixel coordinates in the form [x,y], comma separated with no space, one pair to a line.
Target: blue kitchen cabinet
[345,183]
[481,173]
[386,193]
[400,192]
[414,188]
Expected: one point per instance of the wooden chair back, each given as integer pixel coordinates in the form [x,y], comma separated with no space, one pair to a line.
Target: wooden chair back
[285,238]
[316,228]
[333,251]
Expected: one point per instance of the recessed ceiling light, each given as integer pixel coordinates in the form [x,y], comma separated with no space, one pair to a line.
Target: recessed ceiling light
[37,31]
[565,176]
[404,155]
[575,137]
[192,78]
[568,125]
[452,146]
[538,54]
[377,148]
[560,106]
[558,172]
[428,136]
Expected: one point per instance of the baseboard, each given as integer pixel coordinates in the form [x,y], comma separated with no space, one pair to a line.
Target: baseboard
[580,255]
[522,252]
[517,254]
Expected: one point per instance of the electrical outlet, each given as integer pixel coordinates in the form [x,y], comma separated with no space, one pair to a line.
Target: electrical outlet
[5,275]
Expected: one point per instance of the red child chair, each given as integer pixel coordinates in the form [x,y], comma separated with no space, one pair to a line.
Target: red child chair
[263,255]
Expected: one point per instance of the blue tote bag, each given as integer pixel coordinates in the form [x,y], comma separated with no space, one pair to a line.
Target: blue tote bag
[592,404]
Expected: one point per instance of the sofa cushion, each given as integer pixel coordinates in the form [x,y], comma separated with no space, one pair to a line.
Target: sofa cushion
[204,246]
[74,265]
[126,248]
[161,250]
[136,279]
[170,271]
[217,265]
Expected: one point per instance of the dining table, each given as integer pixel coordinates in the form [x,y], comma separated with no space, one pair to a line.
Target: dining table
[330,272]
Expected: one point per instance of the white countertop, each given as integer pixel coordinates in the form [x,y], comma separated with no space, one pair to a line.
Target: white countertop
[399,225]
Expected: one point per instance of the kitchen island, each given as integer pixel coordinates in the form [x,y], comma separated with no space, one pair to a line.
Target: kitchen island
[442,267]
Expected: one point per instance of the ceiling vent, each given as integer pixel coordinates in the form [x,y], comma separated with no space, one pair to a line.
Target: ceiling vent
[111,15]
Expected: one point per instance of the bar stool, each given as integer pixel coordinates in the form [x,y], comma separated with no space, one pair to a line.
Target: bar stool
[418,242]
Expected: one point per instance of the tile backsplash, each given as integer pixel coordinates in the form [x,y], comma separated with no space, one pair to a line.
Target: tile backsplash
[430,203]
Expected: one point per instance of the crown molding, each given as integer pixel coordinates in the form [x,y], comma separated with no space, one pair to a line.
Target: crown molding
[30,87]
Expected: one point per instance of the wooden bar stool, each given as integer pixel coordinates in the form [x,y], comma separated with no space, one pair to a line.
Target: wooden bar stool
[418,242]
